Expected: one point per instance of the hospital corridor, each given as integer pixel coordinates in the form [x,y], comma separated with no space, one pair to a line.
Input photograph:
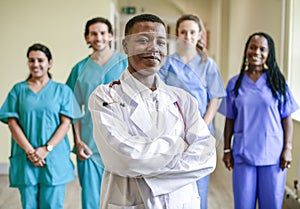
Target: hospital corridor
[212,49]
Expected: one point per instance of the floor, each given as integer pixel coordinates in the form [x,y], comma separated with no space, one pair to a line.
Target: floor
[220,192]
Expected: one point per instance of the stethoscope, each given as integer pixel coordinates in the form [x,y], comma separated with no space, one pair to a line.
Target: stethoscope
[122,104]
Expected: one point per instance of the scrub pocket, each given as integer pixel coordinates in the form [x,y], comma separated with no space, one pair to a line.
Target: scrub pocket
[21,171]
[112,206]
[59,168]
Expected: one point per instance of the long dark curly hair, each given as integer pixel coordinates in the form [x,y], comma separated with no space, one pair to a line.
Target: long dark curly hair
[275,78]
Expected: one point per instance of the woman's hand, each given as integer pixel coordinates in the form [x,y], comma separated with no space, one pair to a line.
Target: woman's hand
[285,158]
[228,160]
[35,158]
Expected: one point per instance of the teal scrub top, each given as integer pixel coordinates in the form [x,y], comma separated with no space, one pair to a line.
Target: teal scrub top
[38,115]
[85,76]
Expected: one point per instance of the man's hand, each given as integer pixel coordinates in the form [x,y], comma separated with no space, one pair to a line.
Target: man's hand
[83,151]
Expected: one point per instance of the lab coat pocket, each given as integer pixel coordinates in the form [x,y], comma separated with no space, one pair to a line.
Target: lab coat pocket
[194,203]
[179,198]
[112,206]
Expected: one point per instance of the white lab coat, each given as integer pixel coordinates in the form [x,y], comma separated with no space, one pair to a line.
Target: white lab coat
[154,145]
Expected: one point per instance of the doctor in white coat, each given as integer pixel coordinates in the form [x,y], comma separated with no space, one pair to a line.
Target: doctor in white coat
[152,140]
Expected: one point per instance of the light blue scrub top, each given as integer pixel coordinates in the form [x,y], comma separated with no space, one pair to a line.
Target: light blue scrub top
[258,134]
[201,79]
[38,115]
[86,75]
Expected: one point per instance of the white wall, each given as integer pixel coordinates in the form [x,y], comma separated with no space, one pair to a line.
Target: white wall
[247,17]
[294,172]
[58,24]
[294,57]
[170,10]
[293,65]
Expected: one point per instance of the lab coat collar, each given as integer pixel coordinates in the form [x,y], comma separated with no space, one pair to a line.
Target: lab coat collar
[140,116]
[133,88]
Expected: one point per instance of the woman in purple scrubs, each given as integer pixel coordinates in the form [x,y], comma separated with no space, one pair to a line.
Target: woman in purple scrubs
[258,109]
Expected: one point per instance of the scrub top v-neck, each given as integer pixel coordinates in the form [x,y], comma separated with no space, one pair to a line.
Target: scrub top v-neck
[38,115]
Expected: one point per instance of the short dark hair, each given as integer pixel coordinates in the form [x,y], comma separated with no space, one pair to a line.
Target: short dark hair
[98,20]
[142,18]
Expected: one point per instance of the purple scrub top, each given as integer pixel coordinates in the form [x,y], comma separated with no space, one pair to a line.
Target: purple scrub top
[258,133]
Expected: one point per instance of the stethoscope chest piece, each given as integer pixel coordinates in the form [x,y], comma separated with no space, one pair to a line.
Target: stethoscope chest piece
[113,99]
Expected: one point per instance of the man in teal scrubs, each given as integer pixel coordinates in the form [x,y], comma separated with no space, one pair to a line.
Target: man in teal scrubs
[101,67]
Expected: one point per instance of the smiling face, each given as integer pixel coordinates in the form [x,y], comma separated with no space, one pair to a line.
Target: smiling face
[257,52]
[38,64]
[98,36]
[146,47]
[189,32]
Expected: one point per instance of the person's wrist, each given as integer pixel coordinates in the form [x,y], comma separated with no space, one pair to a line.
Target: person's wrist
[29,151]
[288,147]
[49,147]
[226,151]
[77,142]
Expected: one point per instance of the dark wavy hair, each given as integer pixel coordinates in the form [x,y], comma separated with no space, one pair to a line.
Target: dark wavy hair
[200,48]
[97,20]
[275,78]
[42,48]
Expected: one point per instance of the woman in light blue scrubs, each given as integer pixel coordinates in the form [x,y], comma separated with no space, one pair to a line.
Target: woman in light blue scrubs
[38,112]
[192,70]
[258,110]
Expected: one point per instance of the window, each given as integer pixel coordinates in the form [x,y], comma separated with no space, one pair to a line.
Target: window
[293,50]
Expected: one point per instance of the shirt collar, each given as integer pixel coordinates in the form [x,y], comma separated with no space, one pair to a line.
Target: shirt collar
[134,88]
